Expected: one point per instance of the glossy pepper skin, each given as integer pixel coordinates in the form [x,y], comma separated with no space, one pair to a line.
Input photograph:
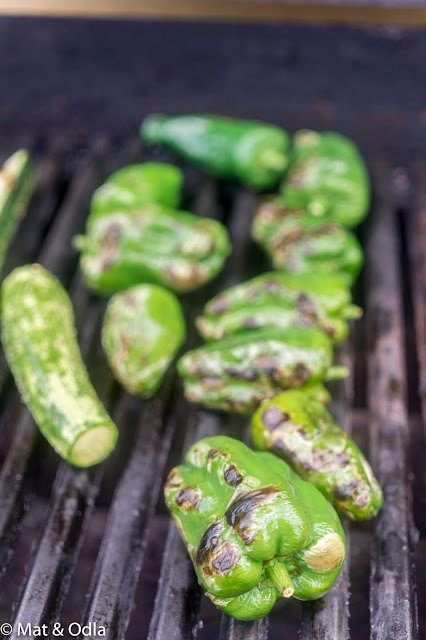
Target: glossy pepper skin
[237,374]
[135,186]
[280,300]
[256,532]
[142,330]
[253,153]
[300,430]
[154,245]
[327,177]
[303,243]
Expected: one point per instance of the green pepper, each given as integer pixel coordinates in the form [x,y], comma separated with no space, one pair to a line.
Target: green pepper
[256,533]
[280,299]
[239,373]
[300,430]
[162,246]
[327,177]
[17,182]
[303,243]
[142,329]
[40,343]
[253,153]
[135,186]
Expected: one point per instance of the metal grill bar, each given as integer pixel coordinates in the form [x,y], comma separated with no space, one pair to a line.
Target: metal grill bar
[416,242]
[392,606]
[111,595]
[328,618]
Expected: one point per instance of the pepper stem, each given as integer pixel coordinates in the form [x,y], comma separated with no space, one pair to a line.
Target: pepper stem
[352,311]
[337,372]
[272,159]
[279,575]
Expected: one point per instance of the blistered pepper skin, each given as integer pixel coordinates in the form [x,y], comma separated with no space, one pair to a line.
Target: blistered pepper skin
[253,153]
[135,186]
[256,532]
[155,245]
[240,372]
[142,330]
[327,177]
[302,243]
[280,300]
[301,431]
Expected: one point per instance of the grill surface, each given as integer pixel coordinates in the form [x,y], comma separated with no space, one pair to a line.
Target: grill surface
[90,546]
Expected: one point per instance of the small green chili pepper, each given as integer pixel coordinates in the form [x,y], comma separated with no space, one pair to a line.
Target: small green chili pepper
[253,153]
[303,243]
[327,177]
[142,330]
[240,372]
[300,430]
[173,248]
[255,532]
[135,186]
[280,299]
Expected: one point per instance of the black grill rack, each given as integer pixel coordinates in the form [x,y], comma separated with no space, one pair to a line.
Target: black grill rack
[85,546]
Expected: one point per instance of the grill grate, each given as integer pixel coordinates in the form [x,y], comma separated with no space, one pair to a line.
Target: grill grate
[154,434]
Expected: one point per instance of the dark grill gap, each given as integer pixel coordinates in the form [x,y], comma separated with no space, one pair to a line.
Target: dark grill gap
[155,434]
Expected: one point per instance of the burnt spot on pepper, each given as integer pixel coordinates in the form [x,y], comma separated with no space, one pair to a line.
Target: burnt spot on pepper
[110,241]
[213,555]
[239,514]
[232,476]
[274,417]
[268,366]
[188,498]
[246,374]
[174,481]
[305,305]
[300,375]
[218,305]
[250,323]
[213,383]
[347,491]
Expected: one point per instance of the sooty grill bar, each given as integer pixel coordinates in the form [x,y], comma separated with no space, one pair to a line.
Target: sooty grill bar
[126,489]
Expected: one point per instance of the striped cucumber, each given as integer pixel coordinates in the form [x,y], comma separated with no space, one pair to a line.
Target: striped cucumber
[17,180]
[40,343]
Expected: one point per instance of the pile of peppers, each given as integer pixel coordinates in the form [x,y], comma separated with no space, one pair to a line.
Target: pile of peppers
[259,526]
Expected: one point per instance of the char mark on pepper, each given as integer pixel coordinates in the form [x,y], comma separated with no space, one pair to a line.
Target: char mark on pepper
[232,476]
[239,514]
[213,555]
[188,498]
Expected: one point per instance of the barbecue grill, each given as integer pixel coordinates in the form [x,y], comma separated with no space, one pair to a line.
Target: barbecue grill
[97,546]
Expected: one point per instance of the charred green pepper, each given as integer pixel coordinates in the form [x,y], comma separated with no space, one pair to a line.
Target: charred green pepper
[303,243]
[162,246]
[300,430]
[280,299]
[253,153]
[137,185]
[239,373]
[17,181]
[142,330]
[255,532]
[327,177]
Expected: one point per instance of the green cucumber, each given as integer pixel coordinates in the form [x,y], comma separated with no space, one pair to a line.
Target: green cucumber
[17,181]
[40,344]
